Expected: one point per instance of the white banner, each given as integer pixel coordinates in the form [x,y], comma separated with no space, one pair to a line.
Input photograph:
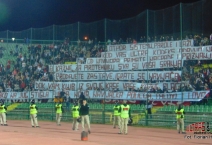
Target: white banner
[135,63]
[121,95]
[186,53]
[115,66]
[151,45]
[130,75]
[152,54]
[27,95]
[127,95]
[108,85]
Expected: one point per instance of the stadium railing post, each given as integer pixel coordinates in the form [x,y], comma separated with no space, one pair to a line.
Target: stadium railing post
[146,119]
[103,116]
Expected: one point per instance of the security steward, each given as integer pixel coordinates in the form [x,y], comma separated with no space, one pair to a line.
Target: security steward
[59,110]
[3,110]
[33,114]
[84,114]
[125,114]
[75,115]
[116,115]
[180,118]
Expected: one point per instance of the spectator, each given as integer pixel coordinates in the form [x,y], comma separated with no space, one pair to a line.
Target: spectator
[22,86]
[149,109]
[81,98]
[68,103]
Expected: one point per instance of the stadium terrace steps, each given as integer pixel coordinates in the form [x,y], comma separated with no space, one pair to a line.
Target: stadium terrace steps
[6,52]
[141,116]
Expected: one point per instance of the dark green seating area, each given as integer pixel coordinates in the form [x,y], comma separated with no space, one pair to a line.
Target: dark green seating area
[97,106]
[39,105]
[93,106]
[10,47]
[134,107]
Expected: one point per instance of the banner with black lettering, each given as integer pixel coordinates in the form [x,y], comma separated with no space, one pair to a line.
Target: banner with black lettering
[108,85]
[151,45]
[128,95]
[27,95]
[113,76]
[120,95]
[185,53]
[128,64]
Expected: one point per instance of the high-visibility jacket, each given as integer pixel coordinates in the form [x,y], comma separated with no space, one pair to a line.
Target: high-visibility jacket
[33,109]
[116,110]
[58,108]
[2,109]
[75,111]
[125,111]
[179,114]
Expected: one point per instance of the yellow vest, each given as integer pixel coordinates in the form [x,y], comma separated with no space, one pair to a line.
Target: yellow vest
[179,113]
[125,111]
[59,108]
[75,112]
[33,110]
[116,110]
[2,110]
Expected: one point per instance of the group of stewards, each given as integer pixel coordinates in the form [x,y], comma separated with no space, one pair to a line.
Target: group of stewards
[122,114]
[80,113]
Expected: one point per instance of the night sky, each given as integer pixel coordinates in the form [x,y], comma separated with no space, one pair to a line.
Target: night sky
[17,15]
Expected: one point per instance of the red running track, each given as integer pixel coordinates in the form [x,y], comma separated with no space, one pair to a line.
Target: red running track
[21,133]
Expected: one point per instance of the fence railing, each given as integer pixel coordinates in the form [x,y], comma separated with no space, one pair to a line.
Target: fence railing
[104,115]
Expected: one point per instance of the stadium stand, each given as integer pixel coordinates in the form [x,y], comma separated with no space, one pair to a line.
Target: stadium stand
[25,62]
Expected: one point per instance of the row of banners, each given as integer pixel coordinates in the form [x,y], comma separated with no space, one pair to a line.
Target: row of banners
[158,54]
[168,54]
[146,51]
[108,85]
[129,66]
[150,55]
[121,95]
[171,53]
[120,62]
[129,75]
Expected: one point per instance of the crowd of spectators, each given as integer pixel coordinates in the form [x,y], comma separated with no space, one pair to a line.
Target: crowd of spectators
[199,40]
[32,65]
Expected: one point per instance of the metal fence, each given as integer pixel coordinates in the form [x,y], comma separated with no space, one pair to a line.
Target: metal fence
[179,21]
[103,113]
